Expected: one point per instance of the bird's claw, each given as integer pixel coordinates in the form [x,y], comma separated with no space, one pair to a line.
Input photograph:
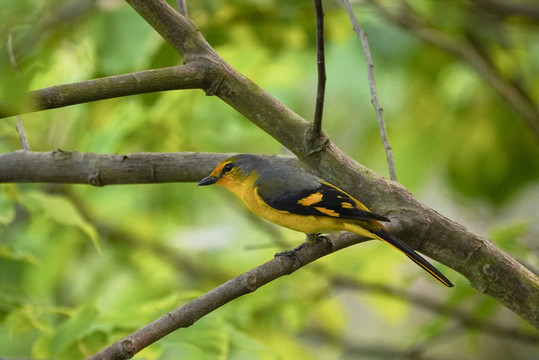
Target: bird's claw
[293,254]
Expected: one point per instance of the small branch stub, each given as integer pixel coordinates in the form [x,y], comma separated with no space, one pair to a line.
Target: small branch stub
[95,180]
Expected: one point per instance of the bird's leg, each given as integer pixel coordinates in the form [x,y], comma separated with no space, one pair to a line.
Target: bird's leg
[309,239]
[293,253]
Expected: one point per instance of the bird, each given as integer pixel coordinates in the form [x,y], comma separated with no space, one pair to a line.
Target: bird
[287,195]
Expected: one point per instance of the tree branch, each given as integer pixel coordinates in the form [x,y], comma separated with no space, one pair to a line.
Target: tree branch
[321,65]
[194,75]
[65,167]
[183,35]
[374,93]
[182,7]
[245,283]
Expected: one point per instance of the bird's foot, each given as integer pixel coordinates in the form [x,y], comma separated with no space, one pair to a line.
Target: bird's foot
[311,238]
[293,253]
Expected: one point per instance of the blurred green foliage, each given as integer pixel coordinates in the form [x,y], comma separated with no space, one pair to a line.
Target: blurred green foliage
[458,146]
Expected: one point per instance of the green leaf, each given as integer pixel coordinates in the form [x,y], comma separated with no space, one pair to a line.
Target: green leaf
[17,335]
[60,210]
[74,329]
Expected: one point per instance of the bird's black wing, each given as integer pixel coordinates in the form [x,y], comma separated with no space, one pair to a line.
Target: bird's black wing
[324,199]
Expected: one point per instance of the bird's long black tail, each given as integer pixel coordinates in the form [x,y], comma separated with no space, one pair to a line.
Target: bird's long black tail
[391,239]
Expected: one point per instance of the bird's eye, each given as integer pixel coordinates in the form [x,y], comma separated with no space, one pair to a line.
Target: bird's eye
[228,167]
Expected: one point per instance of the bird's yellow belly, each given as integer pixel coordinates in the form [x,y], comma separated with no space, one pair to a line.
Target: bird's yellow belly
[305,223]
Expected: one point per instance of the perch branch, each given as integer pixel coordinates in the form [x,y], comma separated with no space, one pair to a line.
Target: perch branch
[245,283]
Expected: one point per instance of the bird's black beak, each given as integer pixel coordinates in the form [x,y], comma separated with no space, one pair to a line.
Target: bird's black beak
[209,180]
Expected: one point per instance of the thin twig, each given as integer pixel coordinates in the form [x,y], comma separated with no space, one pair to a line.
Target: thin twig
[182,7]
[11,55]
[22,134]
[13,62]
[374,94]
[321,63]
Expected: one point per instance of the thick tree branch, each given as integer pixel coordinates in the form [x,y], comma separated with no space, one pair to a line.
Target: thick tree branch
[184,36]
[65,167]
[195,75]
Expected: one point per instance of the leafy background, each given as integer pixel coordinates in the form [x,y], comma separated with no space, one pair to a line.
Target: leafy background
[80,267]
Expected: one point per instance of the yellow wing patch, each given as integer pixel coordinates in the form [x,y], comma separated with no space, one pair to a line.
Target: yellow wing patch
[347,205]
[311,199]
[358,204]
[327,211]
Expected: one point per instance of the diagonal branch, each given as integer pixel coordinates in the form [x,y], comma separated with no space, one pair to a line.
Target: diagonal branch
[243,284]
[374,93]
[184,36]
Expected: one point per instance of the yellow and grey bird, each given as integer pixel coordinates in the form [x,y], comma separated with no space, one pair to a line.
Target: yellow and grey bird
[291,197]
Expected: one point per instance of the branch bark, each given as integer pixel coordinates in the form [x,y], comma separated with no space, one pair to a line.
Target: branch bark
[65,167]
[194,75]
